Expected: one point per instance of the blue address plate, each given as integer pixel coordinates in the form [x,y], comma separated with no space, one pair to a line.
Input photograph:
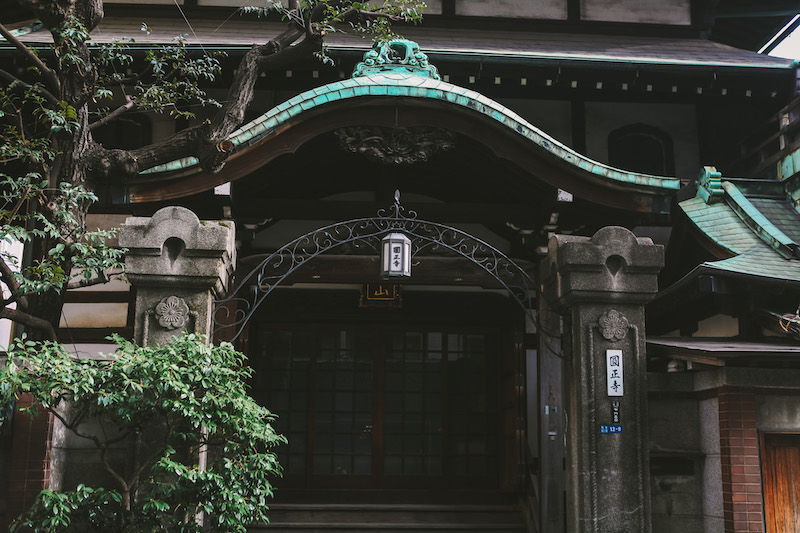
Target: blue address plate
[610,429]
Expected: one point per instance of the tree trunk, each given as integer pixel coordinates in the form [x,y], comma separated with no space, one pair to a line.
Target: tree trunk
[47,306]
[82,162]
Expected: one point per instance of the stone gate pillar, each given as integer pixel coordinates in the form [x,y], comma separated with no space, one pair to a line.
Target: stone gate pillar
[600,285]
[178,265]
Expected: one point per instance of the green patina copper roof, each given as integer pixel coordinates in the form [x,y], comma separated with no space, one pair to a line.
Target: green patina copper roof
[419,82]
[720,224]
[759,223]
[760,230]
[759,261]
[781,214]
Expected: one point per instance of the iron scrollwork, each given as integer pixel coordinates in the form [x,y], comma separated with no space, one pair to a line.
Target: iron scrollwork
[425,236]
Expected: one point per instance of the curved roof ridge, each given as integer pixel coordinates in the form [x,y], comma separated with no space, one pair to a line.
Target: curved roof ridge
[410,86]
[759,223]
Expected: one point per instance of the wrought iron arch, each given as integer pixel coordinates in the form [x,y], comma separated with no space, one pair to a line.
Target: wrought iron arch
[424,234]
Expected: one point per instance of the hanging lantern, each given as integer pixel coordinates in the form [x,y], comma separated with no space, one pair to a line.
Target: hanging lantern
[396,256]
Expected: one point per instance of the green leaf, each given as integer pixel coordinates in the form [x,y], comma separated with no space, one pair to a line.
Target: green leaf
[189,382]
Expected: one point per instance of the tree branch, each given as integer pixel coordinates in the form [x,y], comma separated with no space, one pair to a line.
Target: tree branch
[73,427]
[127,106]
[157,451]
[63,420]
[50,77]
[311,43]
[79,417]
[44,92]
[353,14]
[103,446]
[133,78]
[105,163]
[212,152]
[11,215]
[122,483]
[22,297]
[208,141]
[29,320]
[83,282]
[7,276]
[119,438]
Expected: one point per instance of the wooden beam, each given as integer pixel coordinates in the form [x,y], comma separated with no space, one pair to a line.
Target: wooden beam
[699,359]
[258,209]
[91,335]
[757,10]
[340,269]
[85,296]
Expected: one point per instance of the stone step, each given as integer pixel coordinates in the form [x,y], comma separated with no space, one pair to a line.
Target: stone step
[393,513]
[387,518]
[330,527]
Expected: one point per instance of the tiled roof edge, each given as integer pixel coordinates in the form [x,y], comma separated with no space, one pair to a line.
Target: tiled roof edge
[708,268]
[410,86]
[690,217]
[757,222]
[23,30]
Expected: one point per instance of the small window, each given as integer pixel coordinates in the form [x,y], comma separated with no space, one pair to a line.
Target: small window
[641,148]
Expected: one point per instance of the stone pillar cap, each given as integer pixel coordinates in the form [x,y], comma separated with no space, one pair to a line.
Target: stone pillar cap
[175,247]
[612,265]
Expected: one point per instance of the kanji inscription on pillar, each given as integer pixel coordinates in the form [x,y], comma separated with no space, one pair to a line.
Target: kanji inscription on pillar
[614,377]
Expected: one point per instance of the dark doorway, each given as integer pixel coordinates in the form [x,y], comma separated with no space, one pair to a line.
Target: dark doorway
[382,406]
[423,396]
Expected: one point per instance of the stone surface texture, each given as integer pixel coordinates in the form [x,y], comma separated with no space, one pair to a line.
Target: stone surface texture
[175,262]
[587,280]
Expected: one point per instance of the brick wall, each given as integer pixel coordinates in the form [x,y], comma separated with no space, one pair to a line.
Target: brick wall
[741,469]
[30,458]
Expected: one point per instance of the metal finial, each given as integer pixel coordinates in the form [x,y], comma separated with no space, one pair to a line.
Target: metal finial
[397,196]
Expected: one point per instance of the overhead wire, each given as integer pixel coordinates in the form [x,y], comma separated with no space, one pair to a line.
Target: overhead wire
[221,24]
[191,28]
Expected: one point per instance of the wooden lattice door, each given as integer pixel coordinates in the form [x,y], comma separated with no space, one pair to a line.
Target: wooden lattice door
[383,407]
[781,480]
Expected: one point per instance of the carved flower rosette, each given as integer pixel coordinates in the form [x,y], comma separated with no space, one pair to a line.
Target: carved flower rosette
[613,325]
[172,312]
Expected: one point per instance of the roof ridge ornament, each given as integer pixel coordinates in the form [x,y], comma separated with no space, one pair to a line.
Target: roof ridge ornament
[396,56]
[709,185]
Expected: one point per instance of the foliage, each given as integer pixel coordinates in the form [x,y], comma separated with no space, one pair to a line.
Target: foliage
[371,19]
[183,398]
[22,222]
[168,83]
[50,163]
[34,208]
